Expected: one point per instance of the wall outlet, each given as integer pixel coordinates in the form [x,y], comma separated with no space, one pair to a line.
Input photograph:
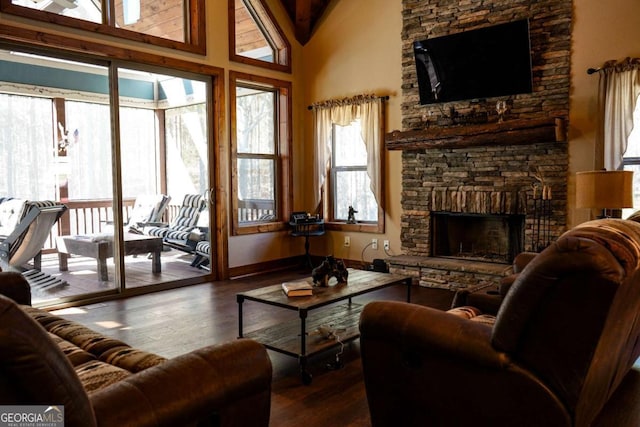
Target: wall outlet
[347,241]
[386,245]
[374,244]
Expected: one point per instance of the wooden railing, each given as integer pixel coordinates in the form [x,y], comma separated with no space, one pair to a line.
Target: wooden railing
[95,216]
[255,210]
[92,217]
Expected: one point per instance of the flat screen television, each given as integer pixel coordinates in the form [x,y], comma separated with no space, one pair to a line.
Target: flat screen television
[486,62]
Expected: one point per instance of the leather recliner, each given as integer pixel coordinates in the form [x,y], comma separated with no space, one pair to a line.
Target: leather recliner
[565,337]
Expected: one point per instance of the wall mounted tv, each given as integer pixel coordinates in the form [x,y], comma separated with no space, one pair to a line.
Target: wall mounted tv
[486,62]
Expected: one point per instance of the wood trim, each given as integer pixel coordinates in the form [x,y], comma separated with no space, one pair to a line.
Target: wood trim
[195,43]
[284,178]
[220,161]
[513,132]
[267,266]
[42,40]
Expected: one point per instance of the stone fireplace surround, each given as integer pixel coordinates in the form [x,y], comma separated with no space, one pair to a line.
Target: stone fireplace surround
[488,168]
[495,178]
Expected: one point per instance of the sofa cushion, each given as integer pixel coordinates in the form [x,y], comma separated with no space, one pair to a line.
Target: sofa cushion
[75,354]
[131,359]
[95,375]
[82,344]
[466,312]
[473,314]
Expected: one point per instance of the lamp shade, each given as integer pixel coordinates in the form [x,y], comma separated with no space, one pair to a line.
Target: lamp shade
[604,189]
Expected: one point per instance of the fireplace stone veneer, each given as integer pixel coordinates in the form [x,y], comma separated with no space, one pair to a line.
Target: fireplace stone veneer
[489,168]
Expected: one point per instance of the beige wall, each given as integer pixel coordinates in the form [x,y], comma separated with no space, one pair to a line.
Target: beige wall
[601,31]
[357,49]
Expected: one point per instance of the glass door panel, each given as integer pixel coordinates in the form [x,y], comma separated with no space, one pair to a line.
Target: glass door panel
[56,138]
[163,145]
[56,142]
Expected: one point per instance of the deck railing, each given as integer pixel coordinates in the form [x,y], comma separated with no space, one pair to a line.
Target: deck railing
[92,217]
[255,210]
[96,216]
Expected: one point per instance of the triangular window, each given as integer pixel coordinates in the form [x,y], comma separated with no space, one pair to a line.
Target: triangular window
[255,37]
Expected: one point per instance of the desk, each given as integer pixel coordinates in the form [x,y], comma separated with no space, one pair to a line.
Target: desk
[305,229]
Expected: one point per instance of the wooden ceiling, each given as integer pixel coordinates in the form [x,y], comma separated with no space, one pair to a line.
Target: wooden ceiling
[304,15]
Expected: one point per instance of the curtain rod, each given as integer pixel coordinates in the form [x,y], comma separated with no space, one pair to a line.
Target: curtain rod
[384,98]
[624,64]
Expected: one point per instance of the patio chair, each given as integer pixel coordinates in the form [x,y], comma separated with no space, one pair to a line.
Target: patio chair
[26,240]
[203,255]
[147,211]
[176,234]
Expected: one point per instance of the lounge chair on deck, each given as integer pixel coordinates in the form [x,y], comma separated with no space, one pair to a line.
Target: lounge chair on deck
[26,240]
[176,234]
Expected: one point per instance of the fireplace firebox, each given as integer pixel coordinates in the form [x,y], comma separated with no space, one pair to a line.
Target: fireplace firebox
[478,237]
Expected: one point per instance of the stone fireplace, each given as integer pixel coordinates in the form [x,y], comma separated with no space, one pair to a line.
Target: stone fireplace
[457,171]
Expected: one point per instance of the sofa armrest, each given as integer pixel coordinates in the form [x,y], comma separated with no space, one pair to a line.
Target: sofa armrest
[13,285]
[427,328]
[230,383]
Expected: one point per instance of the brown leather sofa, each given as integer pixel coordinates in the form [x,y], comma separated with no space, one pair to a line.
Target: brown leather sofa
[565,337]
[100,381]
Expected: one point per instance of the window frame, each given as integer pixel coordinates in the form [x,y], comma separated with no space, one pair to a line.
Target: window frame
[283,178]
[259,10]
[195,25]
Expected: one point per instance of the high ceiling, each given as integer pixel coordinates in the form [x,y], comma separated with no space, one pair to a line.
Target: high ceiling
[304,15]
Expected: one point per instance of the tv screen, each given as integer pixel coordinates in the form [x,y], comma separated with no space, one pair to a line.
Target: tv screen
[487,62]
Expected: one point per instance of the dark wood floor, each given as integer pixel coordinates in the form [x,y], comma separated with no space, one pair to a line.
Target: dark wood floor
[174,322]
[177,321]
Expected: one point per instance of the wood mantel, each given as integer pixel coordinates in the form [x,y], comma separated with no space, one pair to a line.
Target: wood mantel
[510,132]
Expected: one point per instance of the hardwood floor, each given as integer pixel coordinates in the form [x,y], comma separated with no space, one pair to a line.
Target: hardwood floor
[177,321]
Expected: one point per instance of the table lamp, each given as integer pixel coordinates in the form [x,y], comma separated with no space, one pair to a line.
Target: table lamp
[604,190]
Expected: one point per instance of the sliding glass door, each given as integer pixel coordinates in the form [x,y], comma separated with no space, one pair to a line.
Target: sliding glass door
[164,167]
[137,212]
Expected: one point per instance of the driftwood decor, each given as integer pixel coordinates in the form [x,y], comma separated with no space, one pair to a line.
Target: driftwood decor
[511,132]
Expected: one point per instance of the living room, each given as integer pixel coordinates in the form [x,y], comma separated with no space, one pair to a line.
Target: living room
[357,48]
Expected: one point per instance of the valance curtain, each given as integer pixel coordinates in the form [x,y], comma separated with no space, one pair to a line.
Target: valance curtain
[619,88]
[367,108]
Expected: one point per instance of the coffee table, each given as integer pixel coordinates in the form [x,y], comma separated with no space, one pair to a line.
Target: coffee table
[100,247]
[293,338]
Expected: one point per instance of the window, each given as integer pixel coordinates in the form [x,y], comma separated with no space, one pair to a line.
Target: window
[351,185]
[260,115]
[177,24]
[631,159]
[255,37]
[349,163]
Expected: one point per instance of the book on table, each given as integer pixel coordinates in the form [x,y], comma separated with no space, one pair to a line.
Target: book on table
[299,288]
